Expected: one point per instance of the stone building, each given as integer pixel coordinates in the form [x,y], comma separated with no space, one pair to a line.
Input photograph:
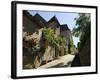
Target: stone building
[32,24]
[65,33]
[55,25]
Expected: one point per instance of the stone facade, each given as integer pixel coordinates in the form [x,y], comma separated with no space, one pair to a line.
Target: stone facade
[54,24]
[33,24]
[65,33]
[28,24]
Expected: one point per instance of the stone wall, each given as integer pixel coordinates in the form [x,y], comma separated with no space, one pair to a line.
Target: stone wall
[28,25]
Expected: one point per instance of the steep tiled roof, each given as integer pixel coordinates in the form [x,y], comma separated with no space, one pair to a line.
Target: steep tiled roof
[64,27]
[36,18]
[25,12]
[54,18]
[40,20]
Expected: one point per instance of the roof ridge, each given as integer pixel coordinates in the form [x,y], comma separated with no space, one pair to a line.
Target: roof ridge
[54,18]
[37,14]
[27,13]
[64,26]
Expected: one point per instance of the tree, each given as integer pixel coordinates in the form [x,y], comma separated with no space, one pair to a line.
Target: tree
[83,28]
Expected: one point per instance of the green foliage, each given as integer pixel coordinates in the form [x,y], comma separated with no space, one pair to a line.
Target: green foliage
[55,41]
[78,45]
[71,41]
[83,23]
[48,36]
[38,47]
[83,28]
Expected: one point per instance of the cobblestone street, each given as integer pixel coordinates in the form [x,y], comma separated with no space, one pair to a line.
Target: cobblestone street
[64,61]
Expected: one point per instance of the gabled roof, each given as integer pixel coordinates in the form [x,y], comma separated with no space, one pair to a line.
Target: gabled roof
[25,12]
[64,27]
[36,18]
[39,20]
[54,18]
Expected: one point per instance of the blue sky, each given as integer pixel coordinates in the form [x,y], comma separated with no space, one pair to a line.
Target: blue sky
[63,18]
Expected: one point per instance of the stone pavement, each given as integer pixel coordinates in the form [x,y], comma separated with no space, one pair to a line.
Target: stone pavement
[63,61]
